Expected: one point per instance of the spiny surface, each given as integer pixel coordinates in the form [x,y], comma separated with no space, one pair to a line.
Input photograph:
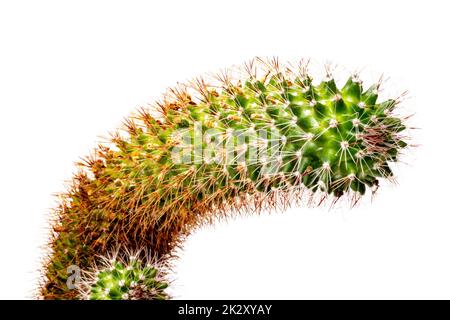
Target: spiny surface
[117,280]
[207,150]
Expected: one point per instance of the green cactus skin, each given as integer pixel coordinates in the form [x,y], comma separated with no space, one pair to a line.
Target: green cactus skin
[119,280]
[150,187]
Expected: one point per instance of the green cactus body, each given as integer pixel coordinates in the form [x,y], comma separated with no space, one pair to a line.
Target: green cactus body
[209,151]
[118,280]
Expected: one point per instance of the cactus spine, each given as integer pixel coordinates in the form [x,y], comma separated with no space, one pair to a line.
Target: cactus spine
[125,277]
[205,151]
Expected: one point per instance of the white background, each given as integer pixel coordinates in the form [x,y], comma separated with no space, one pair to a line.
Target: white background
[70,71]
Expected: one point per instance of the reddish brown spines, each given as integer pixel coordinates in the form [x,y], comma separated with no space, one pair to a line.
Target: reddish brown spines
[133,191]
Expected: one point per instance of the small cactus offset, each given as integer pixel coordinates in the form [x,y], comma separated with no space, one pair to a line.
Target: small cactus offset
[127,278]
[261,139]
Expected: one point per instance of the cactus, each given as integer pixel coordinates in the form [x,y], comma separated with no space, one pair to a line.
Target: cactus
[124,278]
[260,140]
